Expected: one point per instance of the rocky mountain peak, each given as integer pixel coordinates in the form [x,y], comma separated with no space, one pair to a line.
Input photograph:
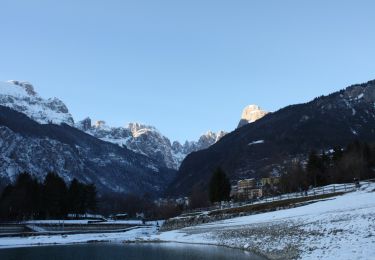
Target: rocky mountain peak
[250,114]
[138,128]
[22,97]
[220,135]
[212,137]
[147,140]
[99,124]
[29,88]
[140,138]
[85,124]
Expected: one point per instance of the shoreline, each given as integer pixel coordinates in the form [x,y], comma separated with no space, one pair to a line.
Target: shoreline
[131,242]
[340,228]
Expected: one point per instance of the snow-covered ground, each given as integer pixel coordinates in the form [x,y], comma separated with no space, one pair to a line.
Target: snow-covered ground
[52,221]
[135,234]
[86,221]
[342,227]
[338,228]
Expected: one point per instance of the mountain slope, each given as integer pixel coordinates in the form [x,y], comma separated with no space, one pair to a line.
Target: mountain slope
[265,146]
[26,145]
[21,96]
[147,140]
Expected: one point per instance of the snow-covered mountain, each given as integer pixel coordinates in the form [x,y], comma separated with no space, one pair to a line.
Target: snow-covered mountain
[26,145]
[143,139]
[21,96]
[147,140]
[39,135]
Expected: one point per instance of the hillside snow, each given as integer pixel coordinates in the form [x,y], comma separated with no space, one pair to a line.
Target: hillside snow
[342,227]
[21,96]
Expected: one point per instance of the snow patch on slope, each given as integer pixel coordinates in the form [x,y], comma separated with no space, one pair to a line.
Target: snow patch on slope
[256,142]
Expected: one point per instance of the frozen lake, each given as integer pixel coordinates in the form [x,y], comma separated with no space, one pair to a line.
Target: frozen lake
[150,251]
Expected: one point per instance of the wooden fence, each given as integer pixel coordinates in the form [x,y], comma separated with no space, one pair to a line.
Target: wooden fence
[329,189]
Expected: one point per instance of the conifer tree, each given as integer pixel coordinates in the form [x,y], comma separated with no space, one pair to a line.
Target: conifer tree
[219,187]
[54,196]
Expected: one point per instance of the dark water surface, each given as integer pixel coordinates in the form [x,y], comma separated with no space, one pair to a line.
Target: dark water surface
[151,251]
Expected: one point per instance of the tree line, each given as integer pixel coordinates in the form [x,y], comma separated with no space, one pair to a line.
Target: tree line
[355,162]
[219,186]
[53,198]
[131,204]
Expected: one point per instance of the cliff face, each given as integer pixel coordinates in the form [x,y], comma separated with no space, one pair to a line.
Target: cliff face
[147,140]
[250,114]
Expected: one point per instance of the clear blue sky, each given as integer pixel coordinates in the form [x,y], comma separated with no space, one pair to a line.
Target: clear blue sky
[185,66]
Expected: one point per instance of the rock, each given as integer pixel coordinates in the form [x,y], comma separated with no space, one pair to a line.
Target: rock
[85,124]
[21,96]
[250,114]
[147,140]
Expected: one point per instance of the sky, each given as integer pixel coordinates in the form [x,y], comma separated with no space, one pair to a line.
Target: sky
[185,66]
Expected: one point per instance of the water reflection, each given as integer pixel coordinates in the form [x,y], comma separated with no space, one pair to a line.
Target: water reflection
[153,251]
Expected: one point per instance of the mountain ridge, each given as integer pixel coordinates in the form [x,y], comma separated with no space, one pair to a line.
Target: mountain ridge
[140,138]
[149,141]
[266,146]
[27,145]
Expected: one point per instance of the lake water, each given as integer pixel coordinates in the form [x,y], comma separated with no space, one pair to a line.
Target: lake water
[150,251]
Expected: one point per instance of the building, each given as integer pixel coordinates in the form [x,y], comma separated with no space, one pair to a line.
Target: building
[271,181]
[246,189]
[246,184]
[233,191]
[184,202]
[255,193]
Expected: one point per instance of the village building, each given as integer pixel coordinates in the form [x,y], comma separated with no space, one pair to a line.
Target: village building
[246,184]
[248,189]
[233,191]
[272,181]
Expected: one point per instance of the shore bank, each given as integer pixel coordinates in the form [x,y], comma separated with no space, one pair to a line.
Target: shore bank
[342,227]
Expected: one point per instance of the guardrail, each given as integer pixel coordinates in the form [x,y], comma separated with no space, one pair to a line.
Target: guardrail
[329,189]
